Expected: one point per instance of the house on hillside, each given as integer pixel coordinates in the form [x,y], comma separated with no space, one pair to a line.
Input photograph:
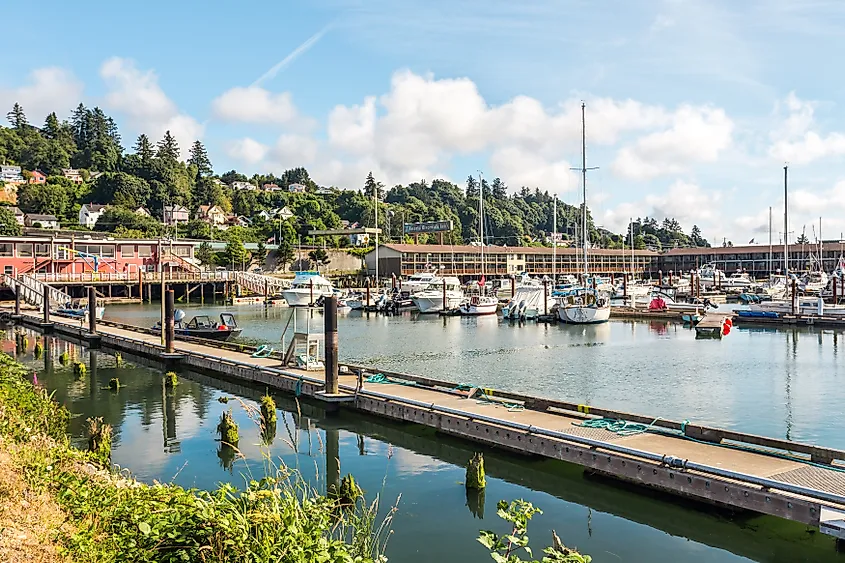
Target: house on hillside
[41,221]
[38,177]
[243,186]
[143,211]
[19,216]
[73,175]
[324,191]
[282,213]
[271,188]
[212,214]
[11,175]
[175,214]
[89,213]
[296,189]
[237,221]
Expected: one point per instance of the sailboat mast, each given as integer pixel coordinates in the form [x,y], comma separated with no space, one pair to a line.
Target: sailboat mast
[584,185]
[554,240]
[481,218]
[770,241]
[785,227]
[821,255]
[631,222]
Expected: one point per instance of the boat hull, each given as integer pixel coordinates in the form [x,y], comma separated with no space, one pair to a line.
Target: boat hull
[80,313]
[434,304]
[468,310]
[584,315]
[301,297]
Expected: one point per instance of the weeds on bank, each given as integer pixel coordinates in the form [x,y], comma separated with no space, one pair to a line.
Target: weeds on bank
[115,518]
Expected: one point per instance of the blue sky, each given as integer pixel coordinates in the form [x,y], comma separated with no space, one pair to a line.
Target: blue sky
[692,106]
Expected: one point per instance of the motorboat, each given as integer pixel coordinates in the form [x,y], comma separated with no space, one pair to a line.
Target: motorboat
[710,276]
[583,305]
[201,326]
[662,301]
[479,305]
[634,289]
[528,303]
[430,300]
[419,282]
[807,306]
[813,282]
[737,280]
[306,289]
[76,310]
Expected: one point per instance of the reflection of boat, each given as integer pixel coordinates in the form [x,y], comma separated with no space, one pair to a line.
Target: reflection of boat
[201,326]
[479,305]
[306,288]
[430,300]
[691,318]
[75,310]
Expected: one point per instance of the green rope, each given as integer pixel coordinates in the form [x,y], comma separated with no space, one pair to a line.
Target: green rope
[262,351]
[381,378]
[617,426]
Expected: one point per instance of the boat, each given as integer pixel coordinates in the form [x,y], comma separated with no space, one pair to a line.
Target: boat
[584,305]
[634,289]
[201,326]
[813,282]
[807,306]
[430,300]
[479,305]
[692,318]
[419,282]
[711,276]
[737,280]
[757,314]
[75,310]
[306,288]
[528,303]
[661,301]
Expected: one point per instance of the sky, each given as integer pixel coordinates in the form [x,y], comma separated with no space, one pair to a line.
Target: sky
[693,107]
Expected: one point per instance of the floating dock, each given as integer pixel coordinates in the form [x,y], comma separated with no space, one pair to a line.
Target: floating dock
[794,481]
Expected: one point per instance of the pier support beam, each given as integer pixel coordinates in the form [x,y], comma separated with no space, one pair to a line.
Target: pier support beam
[46,304]
[330,316]
[17,302]
[92,310]
[169,325]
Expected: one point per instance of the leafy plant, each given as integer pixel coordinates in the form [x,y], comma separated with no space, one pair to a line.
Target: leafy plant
[506,548]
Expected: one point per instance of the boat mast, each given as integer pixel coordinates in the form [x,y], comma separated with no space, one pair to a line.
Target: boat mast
[584,184]
[631,222]
[554,241]
[481,218]
[785,227]
[375,217]
[770,242]
[821,256]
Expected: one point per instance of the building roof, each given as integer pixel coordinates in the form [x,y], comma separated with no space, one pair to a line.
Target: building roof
[95,207]
[176,208]
[833,246]
[16,211]
[470,249]
[39,217]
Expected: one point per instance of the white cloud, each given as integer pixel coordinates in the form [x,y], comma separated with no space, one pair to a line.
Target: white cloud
[520,167]
[353,128]
[47,89]
[794,139]
[137,95]
[684,201]
[247,151]
[294,150]
[254,105]
[697,134]
[662,21]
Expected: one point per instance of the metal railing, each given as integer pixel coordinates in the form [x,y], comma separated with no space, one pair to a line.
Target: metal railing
[261,284]
[132,277]
[32,291]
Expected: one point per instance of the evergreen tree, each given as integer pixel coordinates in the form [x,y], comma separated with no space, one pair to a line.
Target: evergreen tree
[500,189]
[8,225]
[472,187]
[51,129]
[205,254]
[199,158]
[144,149]
[79,123]
[371,187]
[17,117]
[168,148]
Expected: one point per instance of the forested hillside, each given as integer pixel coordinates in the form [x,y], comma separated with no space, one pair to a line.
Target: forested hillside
[152,174]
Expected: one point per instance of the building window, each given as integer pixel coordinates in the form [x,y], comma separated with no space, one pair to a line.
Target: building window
[108,252]
[145,251]
[94,250]
[6,249]
[24,250]
[9,270]
[182,251]
[127,251]
[42,250]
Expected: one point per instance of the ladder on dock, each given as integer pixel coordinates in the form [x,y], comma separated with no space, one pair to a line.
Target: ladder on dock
[32,290]
[261,284]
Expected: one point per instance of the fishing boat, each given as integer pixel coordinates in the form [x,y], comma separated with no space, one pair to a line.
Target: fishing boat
[479,305]
[306,288]
[201,326]
[76,310]
[430,300]
[584,305]
[662,301]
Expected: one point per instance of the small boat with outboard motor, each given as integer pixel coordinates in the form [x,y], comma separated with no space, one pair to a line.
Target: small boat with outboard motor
[77,310]
[202,326]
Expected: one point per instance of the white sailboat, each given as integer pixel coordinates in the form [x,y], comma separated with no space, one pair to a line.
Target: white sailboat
[480,304]
[584,305]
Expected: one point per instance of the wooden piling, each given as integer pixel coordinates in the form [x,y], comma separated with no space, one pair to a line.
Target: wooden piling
[46,303]
[169,323]
[92,310]
[330,317]
[794,294]
[17,299]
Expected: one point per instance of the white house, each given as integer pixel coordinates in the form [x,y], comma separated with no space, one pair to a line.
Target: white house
[174,214]
[143,211]
[73,175]
[19,216]
[243,186]
[296,189]
[11,174]
[42,221]
[212,214]
[89,213]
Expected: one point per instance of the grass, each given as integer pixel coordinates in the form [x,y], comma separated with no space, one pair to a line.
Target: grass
[110,517]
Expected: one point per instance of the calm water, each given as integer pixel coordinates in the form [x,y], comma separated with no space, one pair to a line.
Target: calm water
[170,435]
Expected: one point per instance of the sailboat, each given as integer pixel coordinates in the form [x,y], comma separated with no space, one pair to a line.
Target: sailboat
[584,305]
[480,304]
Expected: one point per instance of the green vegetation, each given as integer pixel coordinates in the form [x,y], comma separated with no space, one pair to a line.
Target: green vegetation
[171,380]
[152,175]
[506,548]
[114,384]
[268,410]
[475,472]
[99,440]
[227,428]
[79,370]
[64,358]
[112,518]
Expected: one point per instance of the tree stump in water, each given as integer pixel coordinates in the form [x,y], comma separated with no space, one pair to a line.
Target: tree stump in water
[475,472]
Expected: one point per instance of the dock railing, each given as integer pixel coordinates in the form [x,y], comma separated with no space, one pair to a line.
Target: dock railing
[32,290]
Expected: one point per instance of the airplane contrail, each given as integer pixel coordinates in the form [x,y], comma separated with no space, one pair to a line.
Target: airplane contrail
[292,56]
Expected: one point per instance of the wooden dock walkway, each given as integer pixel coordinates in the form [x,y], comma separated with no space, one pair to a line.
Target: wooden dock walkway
[790,480]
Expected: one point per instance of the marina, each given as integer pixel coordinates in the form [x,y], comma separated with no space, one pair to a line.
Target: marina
[740,476]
